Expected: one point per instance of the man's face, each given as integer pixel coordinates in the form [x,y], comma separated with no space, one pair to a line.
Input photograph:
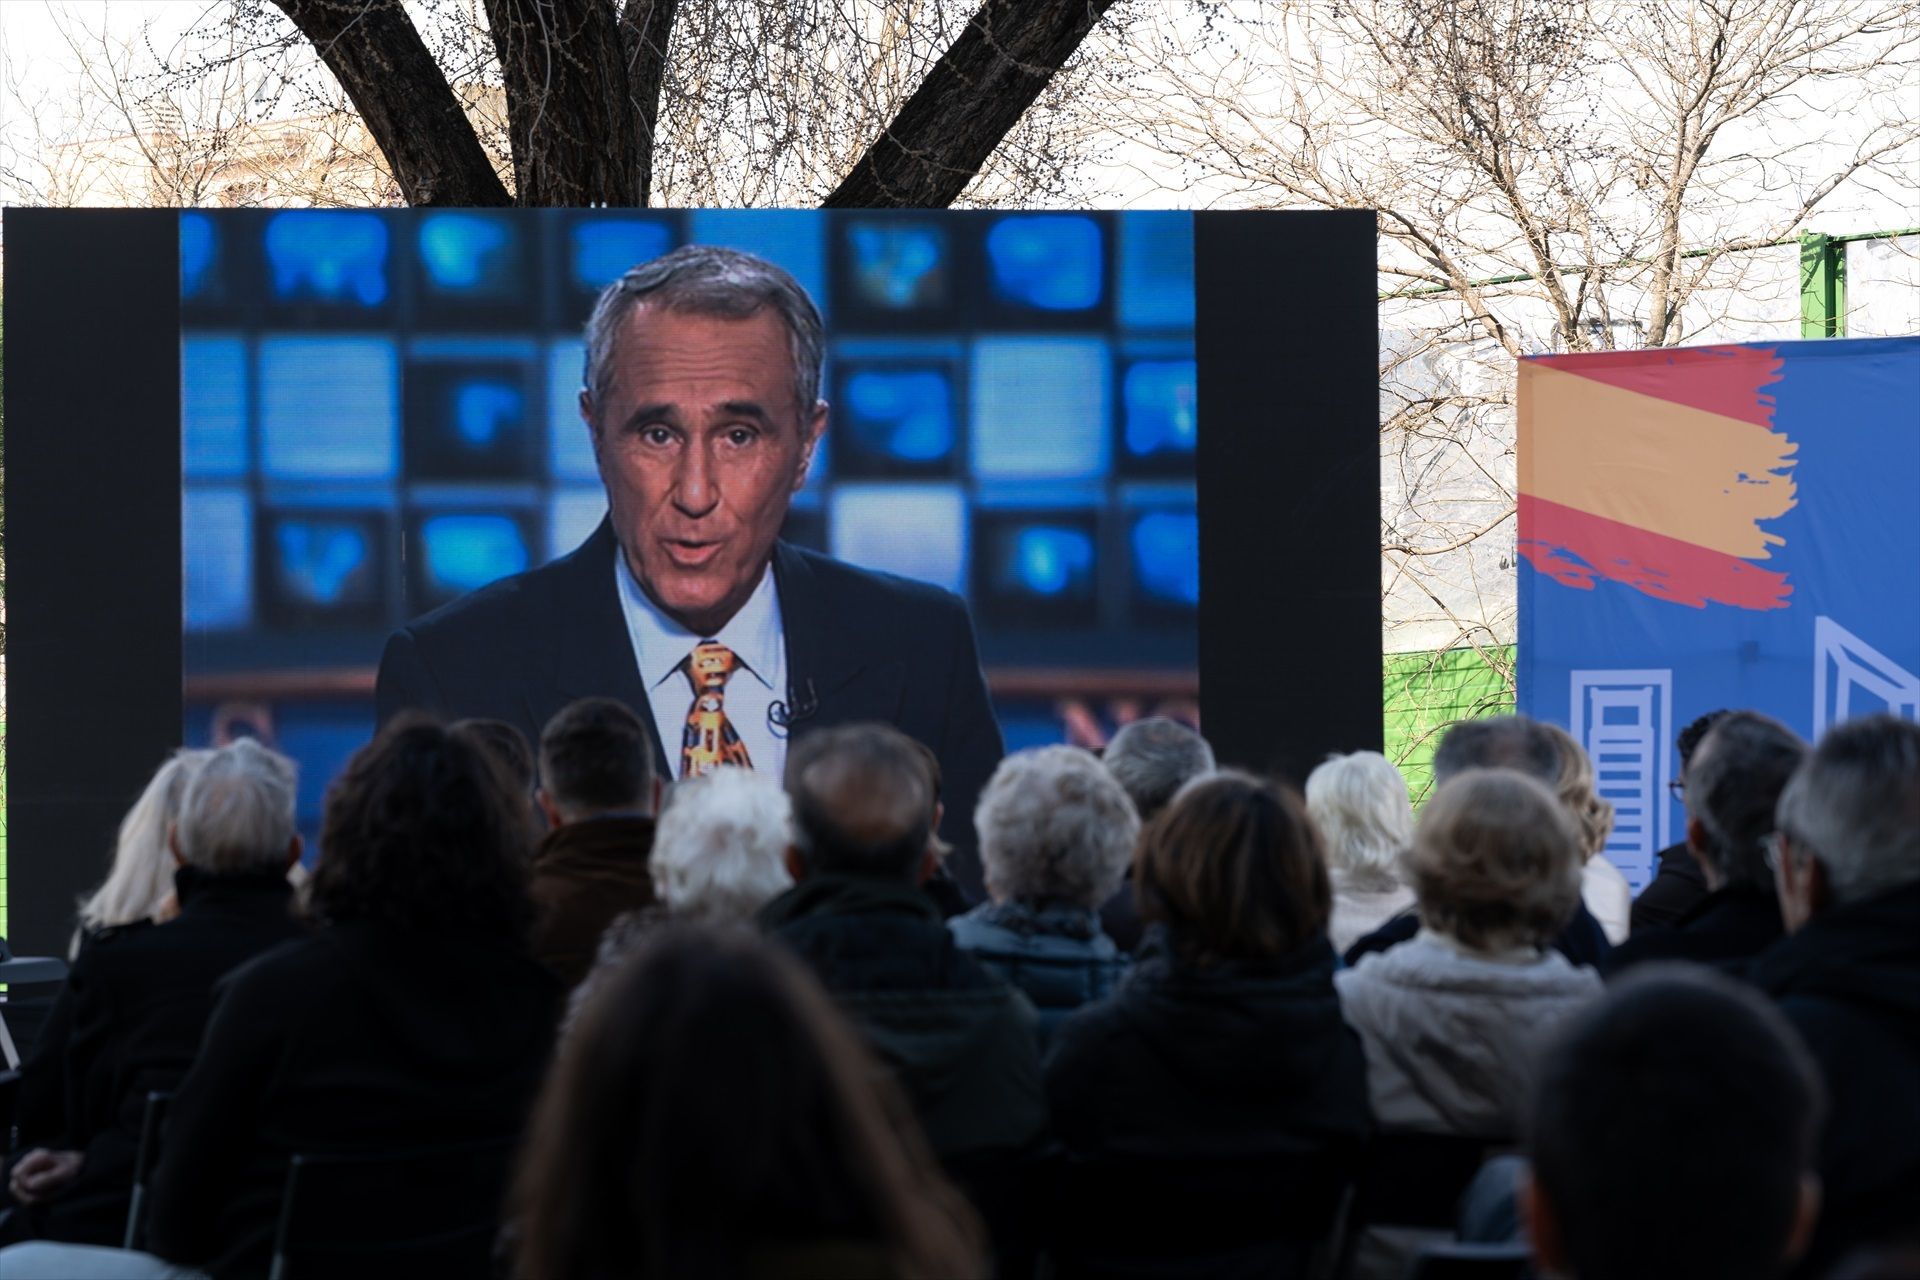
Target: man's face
[701,448]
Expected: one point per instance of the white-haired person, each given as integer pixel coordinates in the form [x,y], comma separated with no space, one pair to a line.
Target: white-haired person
[139,884]
[1602,886]
[719,855]
[1057,833]
[1359,802]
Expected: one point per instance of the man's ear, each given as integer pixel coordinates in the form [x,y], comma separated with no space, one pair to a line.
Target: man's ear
[1806,1216]
[929,864]
[812,428]
[796,865]
[173,844]
[295,847]
[1819,885]
[1542,1227]
[1697,838]
[548,809]
[586,416]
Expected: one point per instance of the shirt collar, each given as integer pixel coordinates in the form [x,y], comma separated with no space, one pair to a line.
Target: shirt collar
[753,633]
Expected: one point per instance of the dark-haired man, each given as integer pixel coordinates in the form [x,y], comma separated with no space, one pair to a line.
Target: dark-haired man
[1677,885]
[702,400]
[961,1043]
[1672,1135]
[1733,781]
[599,793]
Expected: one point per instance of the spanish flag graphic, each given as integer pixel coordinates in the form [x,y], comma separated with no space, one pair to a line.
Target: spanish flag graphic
[1656,469]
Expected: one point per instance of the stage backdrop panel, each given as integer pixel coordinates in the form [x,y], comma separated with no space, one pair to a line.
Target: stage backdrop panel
[1715,527]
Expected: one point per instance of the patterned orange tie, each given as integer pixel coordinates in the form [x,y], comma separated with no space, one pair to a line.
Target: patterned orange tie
[710,740]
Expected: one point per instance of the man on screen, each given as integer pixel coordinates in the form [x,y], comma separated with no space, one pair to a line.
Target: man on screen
[702,400]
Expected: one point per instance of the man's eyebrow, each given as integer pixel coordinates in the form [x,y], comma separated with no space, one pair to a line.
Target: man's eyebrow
[653,413]
[746,409]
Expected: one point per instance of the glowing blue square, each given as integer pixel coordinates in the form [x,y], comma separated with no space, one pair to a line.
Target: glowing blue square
[601,250]
[916,531]
[1156,270]
[903,414]
[216,533]
[199,254]
[321,560]
[1166,557]
[1161,414]
[791,238]
[329,408]
[323,255]
[1041,408]
[898,266]
[468,254]
[569,443]
[1051,561]
[466,552]
[213,406]
[572,516]
[1050,262]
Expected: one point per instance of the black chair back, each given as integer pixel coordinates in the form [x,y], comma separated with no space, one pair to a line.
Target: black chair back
[146,1156]
[426,1211]
[9,1099]
[1271,1215]
[1415,1180]
[1472,1262]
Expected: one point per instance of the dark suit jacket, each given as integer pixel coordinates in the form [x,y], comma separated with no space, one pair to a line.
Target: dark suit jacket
[860,646]
[584,875]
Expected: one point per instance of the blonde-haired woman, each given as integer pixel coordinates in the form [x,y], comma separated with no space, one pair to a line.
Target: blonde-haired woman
[1605,891]
[139,884]
[1360,804]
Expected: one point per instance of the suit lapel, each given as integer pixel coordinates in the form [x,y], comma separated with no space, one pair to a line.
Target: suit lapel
[838,671]
[591,654]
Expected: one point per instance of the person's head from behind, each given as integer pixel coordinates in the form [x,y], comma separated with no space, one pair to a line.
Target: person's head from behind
[702,400]
[862,805]
[1235,871]
[1360,804]
[1672,1135]
[710,1107]
[1695,732]
[1055,829]
[1155,757]
[1495,862]
[1573,784]
[720,851]
[423,832]
[1848,822]
[1498,742]
[236,817]
[596,758]
[140,880]
[510,748]
[1733,784]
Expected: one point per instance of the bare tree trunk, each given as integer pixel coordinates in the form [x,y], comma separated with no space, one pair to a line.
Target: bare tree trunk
[574,137]
[968,102]
[372,48]
[645,28]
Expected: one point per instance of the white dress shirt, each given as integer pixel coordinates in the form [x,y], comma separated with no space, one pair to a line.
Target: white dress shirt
[757,639]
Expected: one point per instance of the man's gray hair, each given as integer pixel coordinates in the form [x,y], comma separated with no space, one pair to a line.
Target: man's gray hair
[720,850]
[1154,758]
[1055,827]
[706,280]
[1855,801]
[1361,806]
[1498,742]
[237,813]
[1733,784]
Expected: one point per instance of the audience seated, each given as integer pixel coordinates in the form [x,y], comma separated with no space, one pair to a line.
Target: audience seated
[1451,1018]
[1359,802]
[1217,1097]
[412,1017]
[1153,758]
[1497,742]
[719,856]
[960,1041]
[1672,1136]
[131,1014]
[1677,885]
[1733,781]
[507,745]
[598,790]
[711,1114]
[1056,835]
[139,885]
[1604,890]
[1846,856]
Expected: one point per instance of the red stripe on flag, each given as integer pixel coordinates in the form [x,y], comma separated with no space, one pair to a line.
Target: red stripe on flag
[1723,380]
[1576,549]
